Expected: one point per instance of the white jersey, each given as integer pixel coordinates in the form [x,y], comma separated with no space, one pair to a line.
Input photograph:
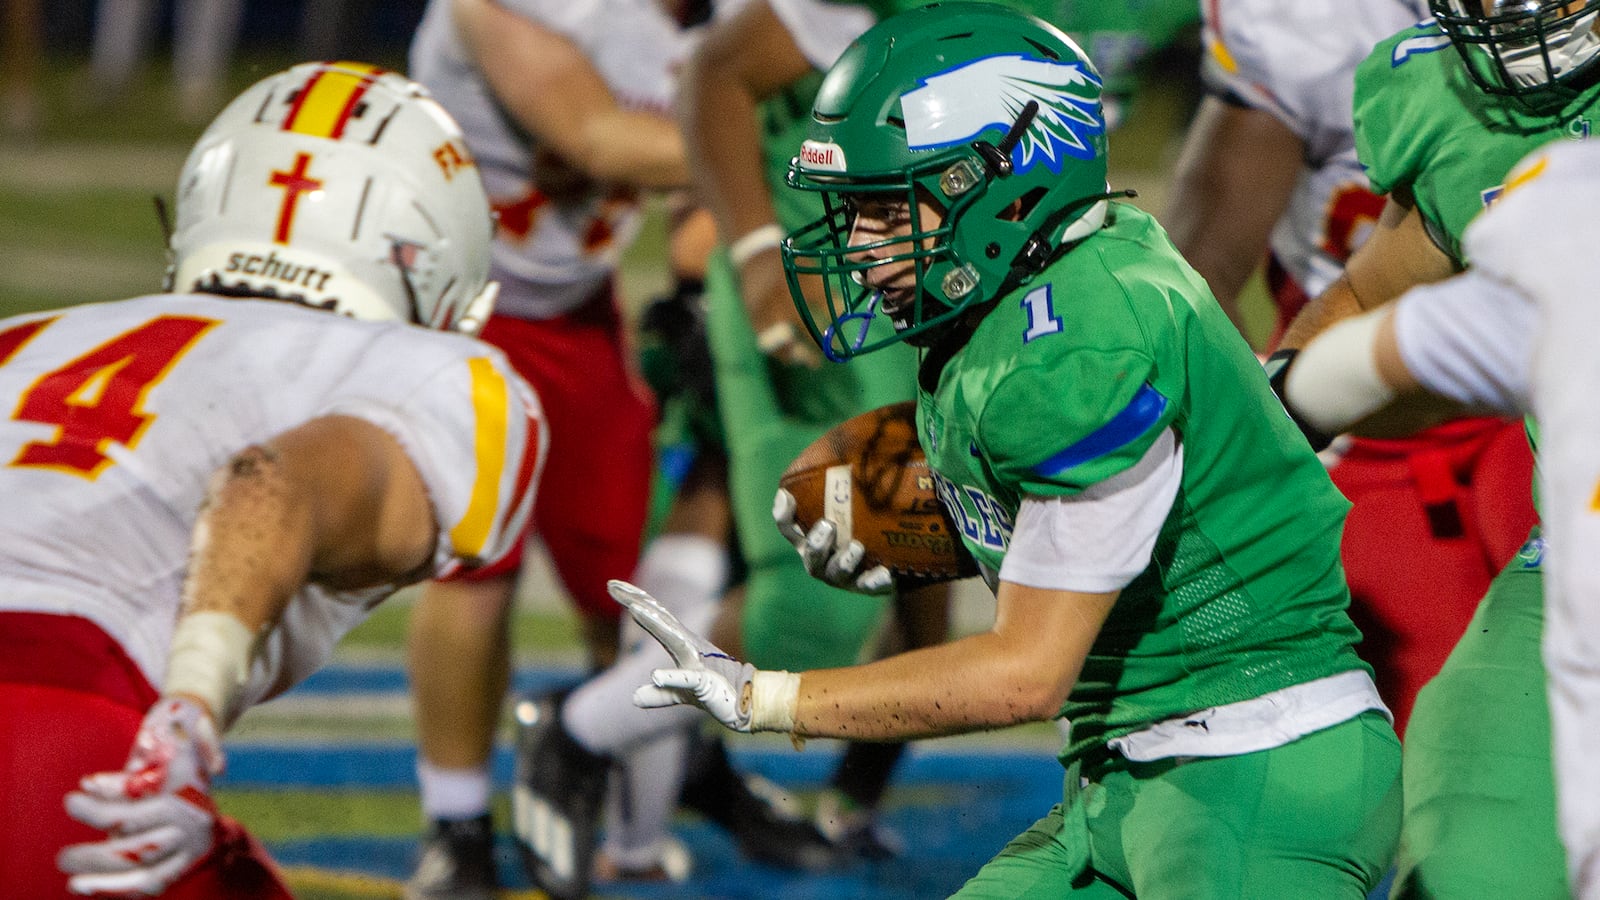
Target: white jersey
[549,259]
[1470,339]
[1296,59]
[117,415]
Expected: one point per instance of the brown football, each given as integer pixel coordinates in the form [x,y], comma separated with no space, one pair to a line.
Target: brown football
[869,475]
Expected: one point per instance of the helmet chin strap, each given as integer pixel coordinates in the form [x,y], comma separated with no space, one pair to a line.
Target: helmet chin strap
[164,221]
[1037,252]
[997,157]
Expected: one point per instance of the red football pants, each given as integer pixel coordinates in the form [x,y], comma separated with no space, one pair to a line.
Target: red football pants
[594,495]
[1434,518]
[70,704]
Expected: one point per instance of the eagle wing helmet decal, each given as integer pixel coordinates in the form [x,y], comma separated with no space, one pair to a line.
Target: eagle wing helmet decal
[958,105]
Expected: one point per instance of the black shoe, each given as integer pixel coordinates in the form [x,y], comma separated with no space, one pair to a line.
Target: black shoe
[555,800]
[456,862]
[764,833]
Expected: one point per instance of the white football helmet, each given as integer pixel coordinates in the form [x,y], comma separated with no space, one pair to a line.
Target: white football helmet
[340,186]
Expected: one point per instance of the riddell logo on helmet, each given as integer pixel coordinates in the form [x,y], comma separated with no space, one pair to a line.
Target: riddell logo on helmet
[818,155]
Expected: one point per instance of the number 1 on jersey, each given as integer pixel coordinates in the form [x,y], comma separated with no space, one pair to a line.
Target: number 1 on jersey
[97,398]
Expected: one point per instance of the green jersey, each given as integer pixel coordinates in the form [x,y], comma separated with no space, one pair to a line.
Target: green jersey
[1423,127]
[1068,381]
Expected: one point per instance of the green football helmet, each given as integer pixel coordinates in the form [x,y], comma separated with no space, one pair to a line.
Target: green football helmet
[991,114]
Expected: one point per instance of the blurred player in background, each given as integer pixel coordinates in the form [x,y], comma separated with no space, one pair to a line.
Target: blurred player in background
[1510,334]
[206,489]
[21,37]
[566,108]
[1126,39]
[1442,112]
[204,34]
[1163,545]
[1270,165]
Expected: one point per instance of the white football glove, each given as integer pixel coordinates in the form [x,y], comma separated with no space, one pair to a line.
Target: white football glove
[840,567]
[157,810]
[736,693]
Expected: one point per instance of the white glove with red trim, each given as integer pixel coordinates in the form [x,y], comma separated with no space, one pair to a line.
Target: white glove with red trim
[157,811]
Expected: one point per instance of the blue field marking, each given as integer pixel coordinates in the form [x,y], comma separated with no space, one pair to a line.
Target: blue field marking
[956,807]
[389,766]
[391,679]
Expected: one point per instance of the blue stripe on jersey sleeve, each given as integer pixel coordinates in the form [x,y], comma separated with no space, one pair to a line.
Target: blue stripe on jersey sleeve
[1143,411]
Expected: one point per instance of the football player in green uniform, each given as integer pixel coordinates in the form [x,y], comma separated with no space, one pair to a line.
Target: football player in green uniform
[1438,130]
[747,97]
[1164,547]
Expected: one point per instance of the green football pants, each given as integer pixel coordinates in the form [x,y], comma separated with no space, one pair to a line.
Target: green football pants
[1480,807]
[1315,818]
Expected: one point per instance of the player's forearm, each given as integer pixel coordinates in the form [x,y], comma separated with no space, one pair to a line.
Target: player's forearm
[629,147]
[251,550]
[253,542]
[972,684]
[1234,179]
[1337,303]
[1398,255]
[718,114]
[555,93]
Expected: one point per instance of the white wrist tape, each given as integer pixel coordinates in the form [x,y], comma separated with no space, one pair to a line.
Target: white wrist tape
[210,659]
[773,699]
[1334,382]
[756,241]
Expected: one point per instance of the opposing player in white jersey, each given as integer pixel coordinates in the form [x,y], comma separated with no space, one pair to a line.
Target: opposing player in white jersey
[1270,164]
[1515,333]
[205,489]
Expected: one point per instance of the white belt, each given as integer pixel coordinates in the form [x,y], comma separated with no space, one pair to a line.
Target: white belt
[1260,723]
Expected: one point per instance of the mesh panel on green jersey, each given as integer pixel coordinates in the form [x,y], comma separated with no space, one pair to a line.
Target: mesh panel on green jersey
[1245,593]
[1422,124]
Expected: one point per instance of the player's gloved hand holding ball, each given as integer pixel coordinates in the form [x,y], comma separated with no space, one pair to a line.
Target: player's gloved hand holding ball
[157,809]
[824,559]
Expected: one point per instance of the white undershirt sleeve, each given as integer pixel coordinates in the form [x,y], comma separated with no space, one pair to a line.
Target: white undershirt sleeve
[1470,339]
[1101,539]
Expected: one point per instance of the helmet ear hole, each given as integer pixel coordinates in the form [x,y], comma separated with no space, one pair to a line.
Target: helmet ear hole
[1024,205]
